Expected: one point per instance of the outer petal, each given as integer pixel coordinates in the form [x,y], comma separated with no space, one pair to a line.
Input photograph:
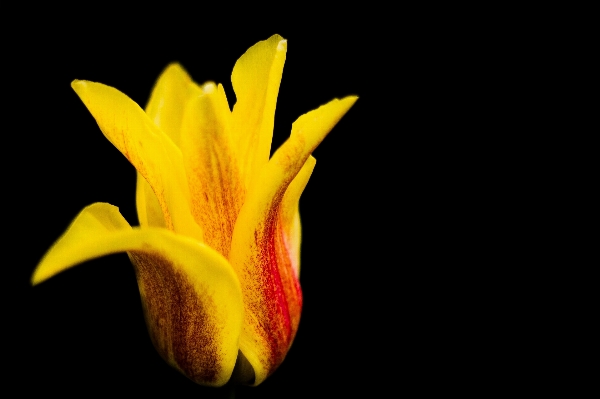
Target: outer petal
[256,77]
[152,153]
[290,216]
[211,167]
[192,299]
[170,94]
[258,252]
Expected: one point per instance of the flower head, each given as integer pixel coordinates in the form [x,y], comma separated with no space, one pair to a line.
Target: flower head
[216,254]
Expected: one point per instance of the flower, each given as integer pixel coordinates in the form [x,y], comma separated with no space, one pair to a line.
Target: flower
[216,254]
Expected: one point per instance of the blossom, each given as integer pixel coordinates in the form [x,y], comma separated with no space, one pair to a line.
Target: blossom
[216,254]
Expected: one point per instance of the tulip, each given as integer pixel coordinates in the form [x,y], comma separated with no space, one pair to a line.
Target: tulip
[216,254]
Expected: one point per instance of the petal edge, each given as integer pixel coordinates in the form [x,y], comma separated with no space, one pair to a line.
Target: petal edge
[191,296]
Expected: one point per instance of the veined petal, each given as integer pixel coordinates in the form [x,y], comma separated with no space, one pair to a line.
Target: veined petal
[262,232]
[256,77]
[191,296]
[172,91]
[211,167]
[150,150]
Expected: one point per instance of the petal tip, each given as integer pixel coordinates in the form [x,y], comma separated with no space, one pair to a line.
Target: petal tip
[282,45]
[209,87]
[35,280]
[174,65]
[41,272]
[351,99]
[76,83]
[79,86]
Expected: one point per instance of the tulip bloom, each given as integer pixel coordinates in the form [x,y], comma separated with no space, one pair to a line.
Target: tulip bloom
[216,254]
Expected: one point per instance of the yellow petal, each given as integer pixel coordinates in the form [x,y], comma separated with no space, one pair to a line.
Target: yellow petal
[258,251]
[172,91]
[191,297]
[256,77]
[149,211]
[170,94]
[290,216]
[211,167]
[80,241]
[150,150]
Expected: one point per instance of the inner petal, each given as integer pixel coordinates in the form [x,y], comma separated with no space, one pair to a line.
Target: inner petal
[211,166]
[172,91]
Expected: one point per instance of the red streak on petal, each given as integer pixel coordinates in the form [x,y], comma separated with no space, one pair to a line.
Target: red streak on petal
[281,300]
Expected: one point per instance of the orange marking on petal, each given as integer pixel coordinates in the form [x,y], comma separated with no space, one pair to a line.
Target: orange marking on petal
[211,167]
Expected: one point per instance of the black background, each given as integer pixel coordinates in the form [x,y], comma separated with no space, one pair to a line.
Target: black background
[386,217]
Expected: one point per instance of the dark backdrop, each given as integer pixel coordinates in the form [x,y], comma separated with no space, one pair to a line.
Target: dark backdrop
[83,330]
[387,225]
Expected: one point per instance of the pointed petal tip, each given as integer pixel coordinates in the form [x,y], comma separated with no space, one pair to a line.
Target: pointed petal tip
[174,65]
[77,83]
[38,277]
[80,85]
[209,87]
[40,273]
[346,102]
[175,68]
[35,280]
[350,99]
[282,45]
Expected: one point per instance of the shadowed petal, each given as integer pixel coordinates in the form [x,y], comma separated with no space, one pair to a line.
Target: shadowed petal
[191,297]
[149,212]
[256,77]
[150,150]
[270,287]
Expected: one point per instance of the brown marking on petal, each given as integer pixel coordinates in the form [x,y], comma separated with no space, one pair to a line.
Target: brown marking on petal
[180,320]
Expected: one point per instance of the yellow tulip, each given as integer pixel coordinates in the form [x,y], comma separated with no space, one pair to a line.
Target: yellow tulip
[216,254]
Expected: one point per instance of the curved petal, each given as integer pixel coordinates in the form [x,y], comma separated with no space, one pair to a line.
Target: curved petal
[191,297]
[170,94]
[290,216]
[150,150]
[258,250]
[256,77]
[172,91]
[149,212]
[211,167]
